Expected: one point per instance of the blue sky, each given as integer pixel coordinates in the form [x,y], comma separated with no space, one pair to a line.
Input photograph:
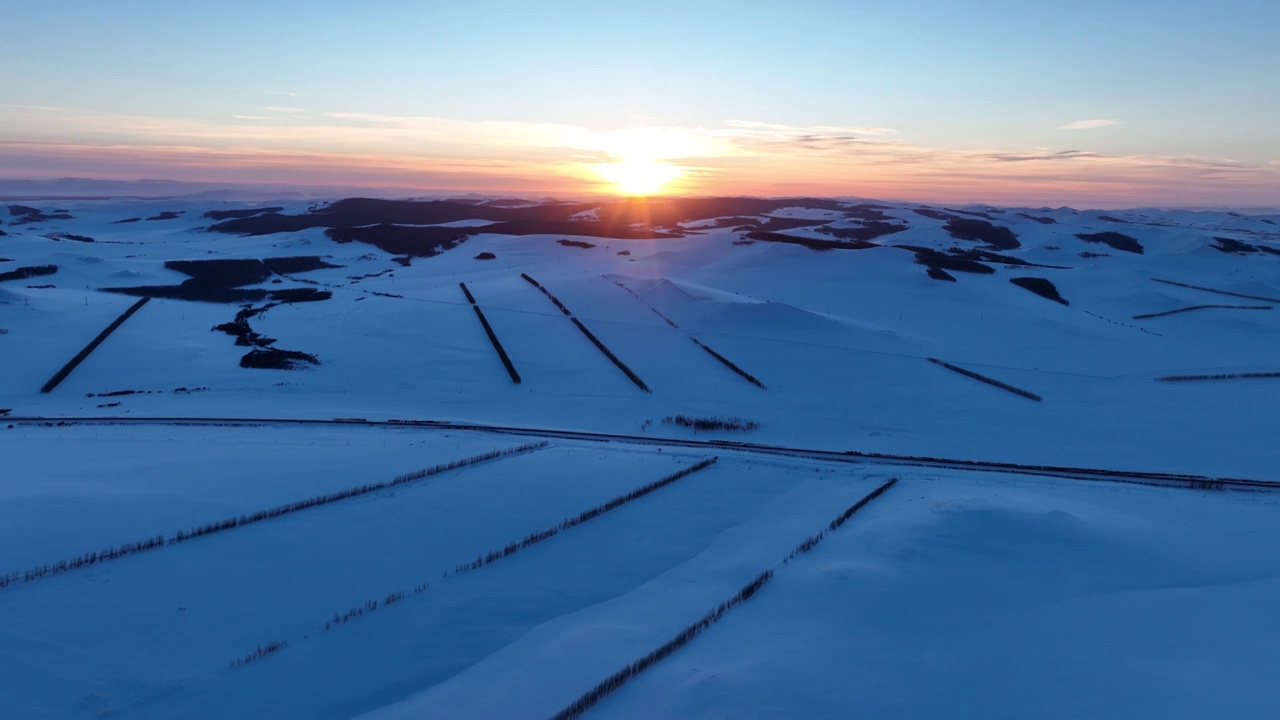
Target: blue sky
[957,81]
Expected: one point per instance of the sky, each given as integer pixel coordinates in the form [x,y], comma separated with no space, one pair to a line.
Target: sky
[1094,103]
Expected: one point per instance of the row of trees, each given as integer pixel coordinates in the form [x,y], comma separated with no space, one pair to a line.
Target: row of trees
[158,541]
[987,380]
[582,517]
[493,337]
[1223,376]
[631,375]
[593,696]
[528,541]
[1201,307]
[262,651]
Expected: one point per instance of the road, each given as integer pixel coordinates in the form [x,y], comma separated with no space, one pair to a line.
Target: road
[1199,482]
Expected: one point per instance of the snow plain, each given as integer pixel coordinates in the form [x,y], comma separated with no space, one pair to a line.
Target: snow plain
[957,594]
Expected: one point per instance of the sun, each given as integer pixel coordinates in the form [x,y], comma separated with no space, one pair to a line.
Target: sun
[639,176]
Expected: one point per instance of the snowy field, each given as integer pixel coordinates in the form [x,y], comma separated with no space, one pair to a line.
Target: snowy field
[958,593]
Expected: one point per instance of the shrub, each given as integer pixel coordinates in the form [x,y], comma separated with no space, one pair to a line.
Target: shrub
[712,423]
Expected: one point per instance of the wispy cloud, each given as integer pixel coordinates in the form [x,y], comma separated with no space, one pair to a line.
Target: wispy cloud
[278,109]
[737,156]
[1089,124]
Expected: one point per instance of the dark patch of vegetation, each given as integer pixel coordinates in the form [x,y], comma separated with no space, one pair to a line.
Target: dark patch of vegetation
[938,273]
[222,273]
[41,287]
[1110,218]
[220,281]
[1040,286]
[242,332]
[1218,292]
[1118,241]
[934,214]
[493,337]
[1090,255]
[30,271]
[983,378]
[868,232]
[5,411]
[110,404]
[975,213]
[74,362]
[620,219]
[168,215]
[810,243]
[698,424]
[1235,247]
[591,336]
[1001,238]
[744,242]
[401,240]
[592,697]
[1227,376]
[575,243]
[486,256]
[1041,220]
[869,213]
[943,261]
[70,236]
[126,221]
[404,260]
[276,359]
[624,252]
[980,255]
[239,214]
[1201,307]
[27,215]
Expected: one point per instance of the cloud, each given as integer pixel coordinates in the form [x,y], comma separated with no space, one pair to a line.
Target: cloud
[1089,124]
[738,156]
[285,109]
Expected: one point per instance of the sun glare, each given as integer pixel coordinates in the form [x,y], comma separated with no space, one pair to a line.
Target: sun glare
[639,176]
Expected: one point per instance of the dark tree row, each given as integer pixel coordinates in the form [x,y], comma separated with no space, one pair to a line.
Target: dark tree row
[1218,292]
[93,558]
[593,696]
[841,519]
[528,541]
[85,560]
[987,380]
[262,651]
[655,310]
[729,364]
[74,362]
[1225,376]
[590,336]
[493,337]
[722,359]
[582,517]
[1201,307]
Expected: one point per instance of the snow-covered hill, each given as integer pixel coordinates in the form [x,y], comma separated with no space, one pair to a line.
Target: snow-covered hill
[1133,341]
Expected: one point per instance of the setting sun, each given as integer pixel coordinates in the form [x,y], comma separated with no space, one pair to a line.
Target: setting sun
[639,176]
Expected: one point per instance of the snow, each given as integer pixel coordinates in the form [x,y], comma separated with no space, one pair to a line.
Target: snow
[956,594]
